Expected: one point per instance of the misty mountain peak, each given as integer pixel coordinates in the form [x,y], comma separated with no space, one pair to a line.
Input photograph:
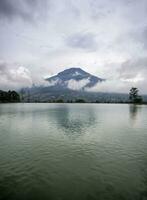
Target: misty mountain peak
[74,78]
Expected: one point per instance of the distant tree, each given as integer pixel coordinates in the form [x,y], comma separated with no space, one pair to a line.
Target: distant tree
[13,96]
[79,101]
[134,96]
[59,101]
[10,96]
[69,101]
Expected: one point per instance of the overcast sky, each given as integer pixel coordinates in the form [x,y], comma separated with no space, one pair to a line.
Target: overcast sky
[108,38]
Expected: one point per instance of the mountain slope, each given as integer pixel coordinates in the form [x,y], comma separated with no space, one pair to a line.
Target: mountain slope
[68,85]
[74,78]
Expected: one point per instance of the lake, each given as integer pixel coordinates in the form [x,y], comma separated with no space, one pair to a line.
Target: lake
[73,152]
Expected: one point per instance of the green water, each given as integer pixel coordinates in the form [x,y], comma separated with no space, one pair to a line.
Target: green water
[73,152]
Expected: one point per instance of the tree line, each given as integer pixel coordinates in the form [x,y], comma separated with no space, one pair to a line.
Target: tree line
[13,96]
[10,96]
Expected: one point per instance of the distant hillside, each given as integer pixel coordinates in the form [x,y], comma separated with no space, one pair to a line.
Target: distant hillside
[71,85]
[10,96]
[50,94]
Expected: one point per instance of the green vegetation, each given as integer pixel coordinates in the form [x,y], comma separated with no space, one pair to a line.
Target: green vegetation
[59,101]
[134,96]
[80,101]
[49,95]
[10,96]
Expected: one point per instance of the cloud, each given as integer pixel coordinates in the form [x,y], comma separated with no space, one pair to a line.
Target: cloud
[116,86]
[24,9]
[141,36]
[133,68]
[134,71]
[52,82]
[77,85]
[13,76]
[131,73]
[85,41]
[47,36]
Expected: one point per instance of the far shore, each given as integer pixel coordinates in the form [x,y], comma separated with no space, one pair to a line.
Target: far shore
[128,103]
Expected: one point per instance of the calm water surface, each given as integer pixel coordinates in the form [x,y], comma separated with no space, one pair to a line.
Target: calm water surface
[73,152]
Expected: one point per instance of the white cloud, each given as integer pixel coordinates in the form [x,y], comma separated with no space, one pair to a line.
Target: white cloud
[53,82]
[119,86]
[77,85]
[14,76]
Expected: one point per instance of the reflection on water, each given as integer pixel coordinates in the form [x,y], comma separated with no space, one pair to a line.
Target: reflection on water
[73,120]
[73,151]
[133,111]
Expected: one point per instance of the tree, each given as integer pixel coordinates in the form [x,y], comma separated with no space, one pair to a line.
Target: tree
[80,101]
[10,96]
[134,96]
[59,101]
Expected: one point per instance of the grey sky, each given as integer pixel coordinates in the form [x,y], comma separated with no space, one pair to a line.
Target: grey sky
[41,37]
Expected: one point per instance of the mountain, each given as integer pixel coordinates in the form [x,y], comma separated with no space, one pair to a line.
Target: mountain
[70,85]
[74,78]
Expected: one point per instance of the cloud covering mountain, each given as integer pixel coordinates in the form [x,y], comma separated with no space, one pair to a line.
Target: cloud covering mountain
[74,78]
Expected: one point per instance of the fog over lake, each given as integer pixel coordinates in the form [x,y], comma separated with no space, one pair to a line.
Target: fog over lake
[73,151]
